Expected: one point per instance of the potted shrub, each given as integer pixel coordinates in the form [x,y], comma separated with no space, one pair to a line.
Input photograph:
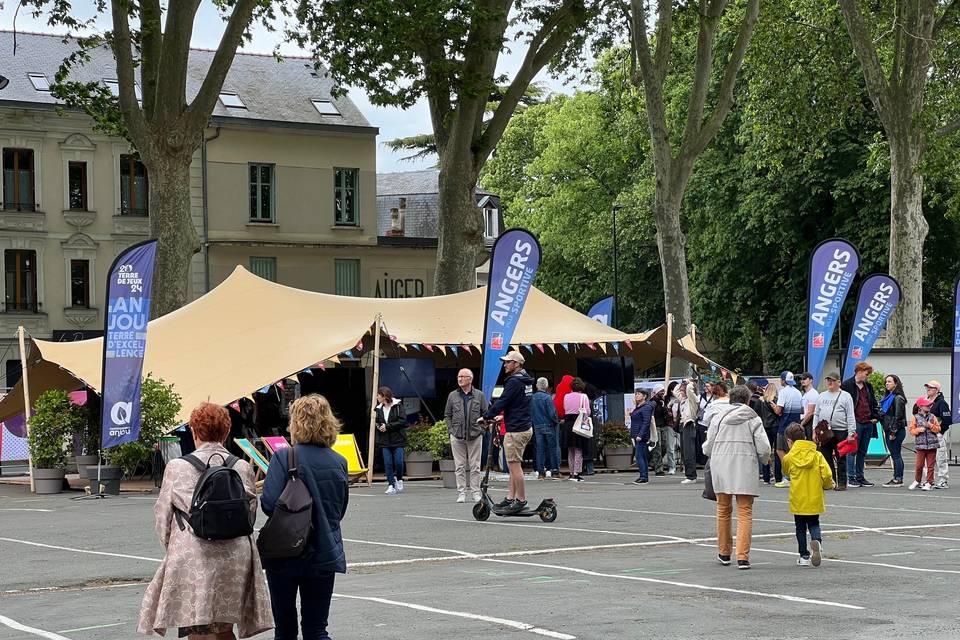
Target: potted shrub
[616,445]
[159,406]
[50,428]
[440,448]
[418,455]
[89,437]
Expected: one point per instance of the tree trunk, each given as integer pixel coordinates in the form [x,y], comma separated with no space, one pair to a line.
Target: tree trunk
[171,224]
[671,245]
[908,230]
[459,227]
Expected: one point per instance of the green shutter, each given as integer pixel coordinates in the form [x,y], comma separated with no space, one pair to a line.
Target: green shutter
[347,277]
[266,268]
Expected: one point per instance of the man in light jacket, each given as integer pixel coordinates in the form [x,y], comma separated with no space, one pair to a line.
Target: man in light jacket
[464,407]
[736,443]
[836,407]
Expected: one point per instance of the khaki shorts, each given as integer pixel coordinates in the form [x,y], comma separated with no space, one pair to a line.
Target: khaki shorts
[514,442]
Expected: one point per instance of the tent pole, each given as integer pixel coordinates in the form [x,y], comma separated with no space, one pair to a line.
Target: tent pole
[666,372]
[373,397]
[26,400]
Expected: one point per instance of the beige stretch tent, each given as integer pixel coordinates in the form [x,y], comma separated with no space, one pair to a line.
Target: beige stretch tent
[248,333]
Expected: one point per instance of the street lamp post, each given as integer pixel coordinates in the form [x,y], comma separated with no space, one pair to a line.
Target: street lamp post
[616,277]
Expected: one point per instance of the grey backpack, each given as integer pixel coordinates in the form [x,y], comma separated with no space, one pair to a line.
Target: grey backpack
[286,531]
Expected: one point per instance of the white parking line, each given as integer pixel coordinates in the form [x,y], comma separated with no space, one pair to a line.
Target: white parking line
[853,506]
[550,526]
[869,564]
[689,515]
[685,585]
[513,624]
[895,553]
[96,553]
[40,510]
[16,626]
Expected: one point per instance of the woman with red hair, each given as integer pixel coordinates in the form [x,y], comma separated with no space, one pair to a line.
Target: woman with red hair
[205,587]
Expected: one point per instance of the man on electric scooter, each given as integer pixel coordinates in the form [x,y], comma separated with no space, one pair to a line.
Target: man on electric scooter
[514,402]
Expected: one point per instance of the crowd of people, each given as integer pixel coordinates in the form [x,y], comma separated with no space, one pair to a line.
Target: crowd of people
[214,578]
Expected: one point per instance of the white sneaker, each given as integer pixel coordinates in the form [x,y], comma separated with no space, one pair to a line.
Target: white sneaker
[688,481]
[391,490]
[926,487]
[461,497]
[671,472]
[549,475]
[534,475]
[399,486]
[941,485]
[816,552]
[913,486]
[803,562]
[477,496]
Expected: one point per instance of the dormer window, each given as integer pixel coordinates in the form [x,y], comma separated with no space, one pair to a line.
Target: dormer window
[232,101]
[40,82]
[114,86]
[326,108]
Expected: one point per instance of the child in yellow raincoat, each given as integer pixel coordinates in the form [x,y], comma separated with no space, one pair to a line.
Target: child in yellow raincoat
[809,476]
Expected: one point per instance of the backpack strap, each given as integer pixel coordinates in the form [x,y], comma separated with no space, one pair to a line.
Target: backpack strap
[230,461]
[196,462]
[292,469]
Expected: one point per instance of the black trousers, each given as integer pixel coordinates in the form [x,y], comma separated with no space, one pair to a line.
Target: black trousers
[688,445]
[316,590]
[837,462]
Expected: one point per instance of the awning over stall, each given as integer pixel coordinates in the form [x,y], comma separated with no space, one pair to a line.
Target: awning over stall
[248,333]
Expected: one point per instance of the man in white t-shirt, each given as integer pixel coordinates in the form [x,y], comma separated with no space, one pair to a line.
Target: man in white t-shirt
[810,398]
[789,408]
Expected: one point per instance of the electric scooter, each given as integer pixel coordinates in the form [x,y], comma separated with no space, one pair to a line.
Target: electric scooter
[547,509]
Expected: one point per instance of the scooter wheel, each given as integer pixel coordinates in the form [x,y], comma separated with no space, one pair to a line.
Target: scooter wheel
[549,513]
[481,511]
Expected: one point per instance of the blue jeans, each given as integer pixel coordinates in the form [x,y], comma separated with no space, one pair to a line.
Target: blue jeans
[545,448]
[393,464]
[640,452]
[896,451]
[316,589]
[855,463]
[556,440]
[803,523]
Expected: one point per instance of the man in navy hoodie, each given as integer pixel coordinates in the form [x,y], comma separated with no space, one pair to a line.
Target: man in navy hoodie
[514,402]
[640,432]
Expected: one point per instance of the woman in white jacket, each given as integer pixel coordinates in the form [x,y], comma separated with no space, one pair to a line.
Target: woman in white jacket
[735,443]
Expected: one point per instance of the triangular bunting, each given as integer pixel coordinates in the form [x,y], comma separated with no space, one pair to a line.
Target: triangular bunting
[628,343]
[359,346]
[616,346]
[415,346]
[466,348]
[552,348]
[453,348]
[539,345]
[264,389]
[235,405]
[307,370]
[280,384]
[334,359]
[592,345]
[565,345]
[428,347]
[321,366]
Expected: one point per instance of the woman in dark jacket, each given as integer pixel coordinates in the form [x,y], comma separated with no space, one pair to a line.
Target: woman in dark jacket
[771,422]
[391,437]
[893,417]
[313,429]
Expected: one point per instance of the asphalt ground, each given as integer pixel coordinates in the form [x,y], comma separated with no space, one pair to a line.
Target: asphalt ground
[621,561]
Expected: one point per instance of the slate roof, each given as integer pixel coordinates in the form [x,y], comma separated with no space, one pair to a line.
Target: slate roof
[420,188]
[277,92]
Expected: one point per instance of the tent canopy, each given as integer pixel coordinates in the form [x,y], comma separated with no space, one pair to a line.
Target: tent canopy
[248,333]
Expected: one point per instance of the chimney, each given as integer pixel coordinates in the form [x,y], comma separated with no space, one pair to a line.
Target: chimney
[394,229]
[403,215]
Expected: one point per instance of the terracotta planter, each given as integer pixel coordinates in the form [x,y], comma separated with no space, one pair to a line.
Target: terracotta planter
[618,458]
[47,481]
[447,474]
[418,464]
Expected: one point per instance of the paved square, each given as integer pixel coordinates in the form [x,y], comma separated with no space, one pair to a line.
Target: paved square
[621,562]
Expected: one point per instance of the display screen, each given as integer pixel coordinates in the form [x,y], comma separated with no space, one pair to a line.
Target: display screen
[418,375]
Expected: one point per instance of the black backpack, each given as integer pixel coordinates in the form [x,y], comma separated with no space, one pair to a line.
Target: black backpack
[220,507]
[286,531]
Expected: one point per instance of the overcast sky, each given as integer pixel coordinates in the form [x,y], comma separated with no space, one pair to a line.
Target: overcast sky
[392,122]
